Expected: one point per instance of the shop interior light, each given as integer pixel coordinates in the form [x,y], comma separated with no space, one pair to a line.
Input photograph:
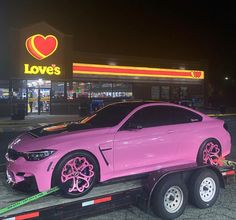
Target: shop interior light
[34,83]
[40,82]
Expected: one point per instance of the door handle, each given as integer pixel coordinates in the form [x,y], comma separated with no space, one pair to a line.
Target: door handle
[170,132]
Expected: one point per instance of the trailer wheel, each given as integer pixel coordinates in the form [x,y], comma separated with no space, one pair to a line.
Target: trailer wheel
[76,174]
[169,198]
[204,188]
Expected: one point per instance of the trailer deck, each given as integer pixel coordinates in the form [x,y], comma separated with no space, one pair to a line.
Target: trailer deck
[9,196]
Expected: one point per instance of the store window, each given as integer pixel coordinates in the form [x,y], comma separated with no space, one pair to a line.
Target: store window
[175,93]
[77,90]
[183,92]
[19,89]
[39,83]
[101,90]
[4,90]
[165,92]
[155,92]
[122,90]
[58,89]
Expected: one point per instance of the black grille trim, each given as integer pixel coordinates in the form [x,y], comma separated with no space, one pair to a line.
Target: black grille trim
[14,155]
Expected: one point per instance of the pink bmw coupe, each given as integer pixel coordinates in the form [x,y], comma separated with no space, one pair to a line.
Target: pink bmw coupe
[121,139]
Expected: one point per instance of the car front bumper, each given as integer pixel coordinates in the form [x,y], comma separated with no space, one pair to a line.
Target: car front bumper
[20,171]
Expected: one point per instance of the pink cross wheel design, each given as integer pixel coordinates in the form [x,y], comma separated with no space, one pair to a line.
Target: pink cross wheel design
[78,172]
[211,153]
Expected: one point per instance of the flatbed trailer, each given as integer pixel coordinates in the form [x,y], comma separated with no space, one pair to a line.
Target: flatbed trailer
[102,198]
[57,207]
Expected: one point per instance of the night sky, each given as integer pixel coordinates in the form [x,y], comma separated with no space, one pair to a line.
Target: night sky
[187,30]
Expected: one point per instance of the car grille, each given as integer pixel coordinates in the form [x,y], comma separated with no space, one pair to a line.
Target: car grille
[13,154]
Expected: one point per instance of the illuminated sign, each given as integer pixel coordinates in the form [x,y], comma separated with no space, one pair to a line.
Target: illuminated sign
[41,47]
[94,69]
[36,70]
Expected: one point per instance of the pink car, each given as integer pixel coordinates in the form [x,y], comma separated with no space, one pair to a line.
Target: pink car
[122,139]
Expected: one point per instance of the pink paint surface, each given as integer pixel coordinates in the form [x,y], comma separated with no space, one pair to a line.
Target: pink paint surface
[127,152]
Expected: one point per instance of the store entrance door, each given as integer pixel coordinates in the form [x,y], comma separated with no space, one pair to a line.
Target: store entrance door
[38,100]
[38,97]
[33,94]
[44,100]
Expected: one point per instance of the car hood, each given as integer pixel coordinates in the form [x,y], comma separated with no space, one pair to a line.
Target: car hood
[55,135]
[57,128]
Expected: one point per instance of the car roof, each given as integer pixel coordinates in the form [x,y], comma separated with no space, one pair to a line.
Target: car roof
[137,103]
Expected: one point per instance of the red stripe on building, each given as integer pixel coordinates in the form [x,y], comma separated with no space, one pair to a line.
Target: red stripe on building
[136,71]
[130,71]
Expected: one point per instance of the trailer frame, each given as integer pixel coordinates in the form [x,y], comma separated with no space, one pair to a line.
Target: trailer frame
[139,195]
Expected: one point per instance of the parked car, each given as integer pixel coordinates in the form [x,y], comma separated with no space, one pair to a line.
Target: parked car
[119,140]
[187,102]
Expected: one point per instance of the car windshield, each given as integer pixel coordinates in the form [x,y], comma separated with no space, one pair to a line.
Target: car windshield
[110,115]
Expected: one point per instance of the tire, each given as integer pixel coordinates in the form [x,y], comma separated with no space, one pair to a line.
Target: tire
[169,198]
[204,188]
[73,180]
[209,152]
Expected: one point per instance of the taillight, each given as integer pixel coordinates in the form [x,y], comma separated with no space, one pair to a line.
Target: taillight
[226,127]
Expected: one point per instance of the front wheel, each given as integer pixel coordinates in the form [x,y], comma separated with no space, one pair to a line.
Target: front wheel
[169,198]
[76,174]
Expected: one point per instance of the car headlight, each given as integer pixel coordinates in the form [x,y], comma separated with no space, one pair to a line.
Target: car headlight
[38,155]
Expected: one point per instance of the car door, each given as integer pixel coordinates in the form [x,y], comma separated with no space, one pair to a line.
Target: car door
[145,142]
[188,125]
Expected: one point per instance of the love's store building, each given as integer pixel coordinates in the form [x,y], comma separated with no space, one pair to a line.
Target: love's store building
[48,76]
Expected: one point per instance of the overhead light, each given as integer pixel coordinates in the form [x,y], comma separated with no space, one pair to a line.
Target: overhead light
[112,63]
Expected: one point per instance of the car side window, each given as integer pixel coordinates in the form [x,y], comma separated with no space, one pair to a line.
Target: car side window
[181,115]
[153,116]
[150,116]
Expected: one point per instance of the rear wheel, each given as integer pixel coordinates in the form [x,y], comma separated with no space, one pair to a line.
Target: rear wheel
[209,152]
[169,198]
[76,174]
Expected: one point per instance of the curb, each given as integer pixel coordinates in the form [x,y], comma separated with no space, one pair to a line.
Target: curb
[222,115]
[21,128]
[14,129]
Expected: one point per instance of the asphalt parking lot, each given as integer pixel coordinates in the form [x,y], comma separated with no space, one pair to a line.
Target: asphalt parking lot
[225,207]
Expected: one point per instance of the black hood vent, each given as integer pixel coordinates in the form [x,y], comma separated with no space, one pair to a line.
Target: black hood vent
[58,128]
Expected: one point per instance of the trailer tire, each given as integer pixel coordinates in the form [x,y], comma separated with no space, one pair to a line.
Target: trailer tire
[169,198]
[204,188]
[73,180]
